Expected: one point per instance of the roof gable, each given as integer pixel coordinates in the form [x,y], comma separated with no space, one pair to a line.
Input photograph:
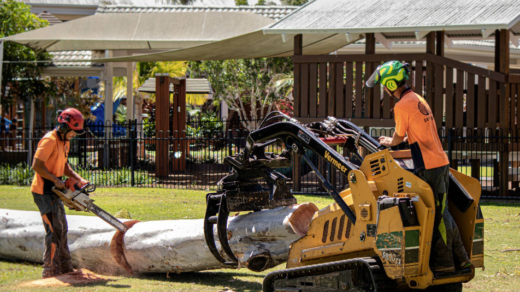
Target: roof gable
[456,17]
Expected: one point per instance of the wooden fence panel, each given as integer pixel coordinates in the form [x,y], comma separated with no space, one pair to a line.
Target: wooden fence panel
[322,111]
[459,100]
[387,105]
[332,85]
[492,104]
[368,92]
[340,97]
[429,82]
[449,98]
[471,102]
[409,82]
[512,105]
[377,102]
[313,90]
[297,89]
[330,94]
[481,103]
[359,86]
[419,77]
[437,107]
[349,87]
[304,105]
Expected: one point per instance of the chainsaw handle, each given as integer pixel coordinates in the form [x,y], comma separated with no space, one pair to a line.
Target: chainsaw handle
[84,187]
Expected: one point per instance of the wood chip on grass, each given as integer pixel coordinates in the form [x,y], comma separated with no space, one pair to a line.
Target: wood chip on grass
[79,277]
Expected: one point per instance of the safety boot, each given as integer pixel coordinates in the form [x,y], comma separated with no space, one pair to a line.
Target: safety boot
[66,268]
[48,273]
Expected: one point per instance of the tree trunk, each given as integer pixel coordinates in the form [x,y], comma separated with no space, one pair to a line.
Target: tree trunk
[260,240]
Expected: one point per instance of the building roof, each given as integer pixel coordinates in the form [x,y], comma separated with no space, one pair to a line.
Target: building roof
[402,19]
[66,10]
[150,28]
[193,86]
[138,2]
[49,17]
[272,12]
[64,58]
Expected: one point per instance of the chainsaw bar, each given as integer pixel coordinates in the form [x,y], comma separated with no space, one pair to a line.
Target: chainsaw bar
[107,217]
[79,200]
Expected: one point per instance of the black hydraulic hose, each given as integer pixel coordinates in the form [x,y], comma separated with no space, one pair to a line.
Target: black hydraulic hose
[296,133]
[332,192]
[365,139]
[266,122]
[278,113]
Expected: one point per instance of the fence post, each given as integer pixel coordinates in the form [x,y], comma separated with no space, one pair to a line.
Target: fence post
[131,134]
[450,146]
[230,147]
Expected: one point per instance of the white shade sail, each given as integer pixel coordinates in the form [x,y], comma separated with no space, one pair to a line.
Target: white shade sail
[251,45]
[176,29]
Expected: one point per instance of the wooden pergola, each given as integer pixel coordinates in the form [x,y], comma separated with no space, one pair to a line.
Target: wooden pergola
[465,99]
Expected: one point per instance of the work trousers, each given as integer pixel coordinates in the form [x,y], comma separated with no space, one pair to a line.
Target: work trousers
[56,255]
[447,247]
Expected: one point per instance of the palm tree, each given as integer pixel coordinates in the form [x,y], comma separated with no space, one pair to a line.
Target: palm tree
[283,84]
[145,71]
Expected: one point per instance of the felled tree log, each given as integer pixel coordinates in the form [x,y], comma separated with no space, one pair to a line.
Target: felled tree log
[259,240]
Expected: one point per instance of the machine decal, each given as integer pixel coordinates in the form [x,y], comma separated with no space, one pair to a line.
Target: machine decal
[478,239]
[389,241]
[334,162]
[411,254]
[371,230]
[304,136]
[408,184]
[393,257]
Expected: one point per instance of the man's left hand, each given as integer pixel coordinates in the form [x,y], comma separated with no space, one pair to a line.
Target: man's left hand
[385,141]
[82,182]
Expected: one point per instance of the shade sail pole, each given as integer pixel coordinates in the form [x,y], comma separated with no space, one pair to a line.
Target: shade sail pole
[109,105]
[31,133]
[130,91]
[1,66]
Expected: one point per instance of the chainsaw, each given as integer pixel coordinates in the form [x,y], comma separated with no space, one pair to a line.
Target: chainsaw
[78,198]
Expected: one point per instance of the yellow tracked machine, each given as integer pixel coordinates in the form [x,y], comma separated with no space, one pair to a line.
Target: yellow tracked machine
[375,237]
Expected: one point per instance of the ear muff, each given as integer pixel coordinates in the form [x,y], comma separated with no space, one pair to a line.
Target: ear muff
[63,128]
[391,85]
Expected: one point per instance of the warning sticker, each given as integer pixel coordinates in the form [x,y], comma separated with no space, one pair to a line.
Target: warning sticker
[408,184]
[304,137]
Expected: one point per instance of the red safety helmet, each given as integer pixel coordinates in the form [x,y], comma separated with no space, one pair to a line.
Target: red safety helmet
[71,184]
[71,119]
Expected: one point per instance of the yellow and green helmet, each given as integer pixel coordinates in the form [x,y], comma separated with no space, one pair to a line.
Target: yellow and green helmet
[389,74]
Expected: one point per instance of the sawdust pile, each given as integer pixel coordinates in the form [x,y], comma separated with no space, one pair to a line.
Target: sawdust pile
[79,277]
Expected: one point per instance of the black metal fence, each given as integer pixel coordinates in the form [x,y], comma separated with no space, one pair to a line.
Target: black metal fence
[126,155]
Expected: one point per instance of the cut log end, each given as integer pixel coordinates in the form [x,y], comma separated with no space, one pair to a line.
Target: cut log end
[260,262]
[300,219]
[117,249]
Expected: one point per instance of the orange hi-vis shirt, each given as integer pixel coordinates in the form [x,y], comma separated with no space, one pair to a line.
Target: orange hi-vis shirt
[414,117]
[53,152]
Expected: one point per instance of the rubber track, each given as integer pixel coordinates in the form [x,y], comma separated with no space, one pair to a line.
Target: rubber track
[379,278]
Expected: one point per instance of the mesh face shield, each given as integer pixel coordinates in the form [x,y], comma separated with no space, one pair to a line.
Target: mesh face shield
[375,78]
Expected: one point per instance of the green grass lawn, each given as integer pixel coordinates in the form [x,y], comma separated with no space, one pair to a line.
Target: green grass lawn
[502,271]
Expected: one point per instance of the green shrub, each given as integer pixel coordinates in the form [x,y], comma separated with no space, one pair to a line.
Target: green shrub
[20,175]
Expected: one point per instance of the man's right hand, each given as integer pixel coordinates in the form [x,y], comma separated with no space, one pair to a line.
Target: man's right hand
[59,184]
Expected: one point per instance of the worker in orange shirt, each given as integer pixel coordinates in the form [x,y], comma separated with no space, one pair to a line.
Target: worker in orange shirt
[50,164]
[414,123]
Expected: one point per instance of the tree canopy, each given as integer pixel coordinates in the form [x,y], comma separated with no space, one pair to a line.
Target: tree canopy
[23,74]
[245,84]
